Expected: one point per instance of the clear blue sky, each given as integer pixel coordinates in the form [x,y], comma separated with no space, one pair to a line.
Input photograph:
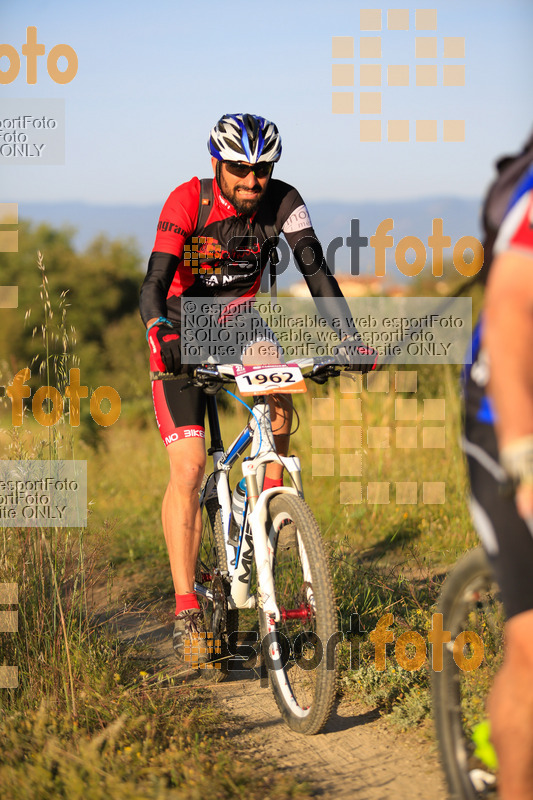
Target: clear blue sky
[155,76]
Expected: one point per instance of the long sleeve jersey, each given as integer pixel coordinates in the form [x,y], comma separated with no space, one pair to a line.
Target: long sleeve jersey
[227,257]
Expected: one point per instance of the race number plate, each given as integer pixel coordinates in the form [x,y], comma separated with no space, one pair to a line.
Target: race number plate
[277,379]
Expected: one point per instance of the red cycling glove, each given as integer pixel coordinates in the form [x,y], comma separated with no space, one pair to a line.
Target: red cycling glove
[165,350]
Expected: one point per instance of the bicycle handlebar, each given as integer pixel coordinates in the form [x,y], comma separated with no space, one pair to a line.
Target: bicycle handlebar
[321,369]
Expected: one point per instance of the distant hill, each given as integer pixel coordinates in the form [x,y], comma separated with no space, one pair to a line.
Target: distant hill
[330,219]
[411,218]
[138,222]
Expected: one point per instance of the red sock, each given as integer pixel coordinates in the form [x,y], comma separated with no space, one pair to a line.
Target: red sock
[270,483]
[186,601]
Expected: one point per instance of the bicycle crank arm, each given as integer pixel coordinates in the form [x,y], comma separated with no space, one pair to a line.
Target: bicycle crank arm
[207,593]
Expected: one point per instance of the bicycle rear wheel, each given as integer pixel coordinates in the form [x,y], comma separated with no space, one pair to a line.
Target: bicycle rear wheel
[211,572]
[299,650]
[469,601]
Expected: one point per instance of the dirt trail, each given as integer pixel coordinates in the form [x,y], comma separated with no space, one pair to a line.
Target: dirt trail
[356,755]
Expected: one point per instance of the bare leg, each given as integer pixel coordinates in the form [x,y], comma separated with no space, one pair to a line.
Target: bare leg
[181,517]
[511,711]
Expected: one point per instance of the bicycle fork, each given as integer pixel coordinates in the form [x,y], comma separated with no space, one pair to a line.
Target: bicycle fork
[254,541]
[257,515]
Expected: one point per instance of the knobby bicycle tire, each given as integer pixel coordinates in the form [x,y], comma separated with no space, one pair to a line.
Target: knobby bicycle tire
[469,601]
[299,652]
[212,557]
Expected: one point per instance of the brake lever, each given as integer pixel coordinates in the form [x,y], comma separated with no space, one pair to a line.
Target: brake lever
[207,379]
[321,374]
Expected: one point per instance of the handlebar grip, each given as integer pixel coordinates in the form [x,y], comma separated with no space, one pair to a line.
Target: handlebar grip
[168,376]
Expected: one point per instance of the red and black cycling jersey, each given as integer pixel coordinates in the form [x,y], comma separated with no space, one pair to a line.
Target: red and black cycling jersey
[231,261]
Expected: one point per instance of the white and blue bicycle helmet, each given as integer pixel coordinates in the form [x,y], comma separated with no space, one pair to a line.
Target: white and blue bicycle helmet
[245,137]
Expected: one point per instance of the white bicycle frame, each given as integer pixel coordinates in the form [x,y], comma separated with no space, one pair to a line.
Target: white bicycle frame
[254,537]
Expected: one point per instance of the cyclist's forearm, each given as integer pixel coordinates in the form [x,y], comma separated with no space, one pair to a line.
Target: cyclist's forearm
[153,297]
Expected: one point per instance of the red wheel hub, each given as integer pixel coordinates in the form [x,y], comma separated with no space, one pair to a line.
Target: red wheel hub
[302,612]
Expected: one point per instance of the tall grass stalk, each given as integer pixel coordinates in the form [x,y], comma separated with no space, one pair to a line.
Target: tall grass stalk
[41,560]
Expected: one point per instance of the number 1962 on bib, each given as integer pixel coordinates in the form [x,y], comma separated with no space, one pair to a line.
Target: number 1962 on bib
[278,379]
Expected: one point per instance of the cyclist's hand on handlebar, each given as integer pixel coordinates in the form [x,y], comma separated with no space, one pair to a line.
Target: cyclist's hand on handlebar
[354,352]
[165,349]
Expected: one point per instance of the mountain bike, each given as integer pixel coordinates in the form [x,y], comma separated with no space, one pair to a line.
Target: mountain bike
[277,564]
[469,601]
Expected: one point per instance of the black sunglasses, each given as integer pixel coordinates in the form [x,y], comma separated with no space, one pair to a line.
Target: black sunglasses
[260,170]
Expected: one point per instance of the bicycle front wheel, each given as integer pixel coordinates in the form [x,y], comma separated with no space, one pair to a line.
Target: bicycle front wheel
[299,650]
[470,601]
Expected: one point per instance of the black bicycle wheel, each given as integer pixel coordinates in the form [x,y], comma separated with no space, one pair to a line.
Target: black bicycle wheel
[211,572]
[299,650]
[469,601]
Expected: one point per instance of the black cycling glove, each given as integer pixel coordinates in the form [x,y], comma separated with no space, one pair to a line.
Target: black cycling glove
[359,356]
[164,342]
